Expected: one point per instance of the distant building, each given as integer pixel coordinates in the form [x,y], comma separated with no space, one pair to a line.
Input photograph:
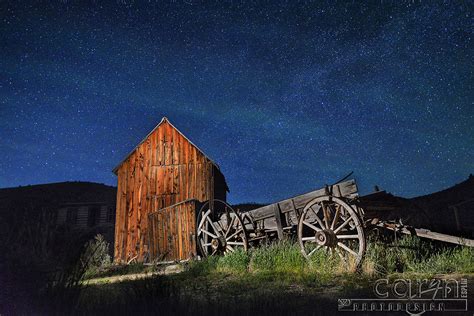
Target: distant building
[76,207]
[85,215]
[165,168]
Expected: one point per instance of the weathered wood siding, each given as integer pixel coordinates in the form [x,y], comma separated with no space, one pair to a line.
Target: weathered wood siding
[172,232]
[166,168]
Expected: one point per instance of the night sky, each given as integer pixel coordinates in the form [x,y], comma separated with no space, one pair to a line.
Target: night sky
[285,98]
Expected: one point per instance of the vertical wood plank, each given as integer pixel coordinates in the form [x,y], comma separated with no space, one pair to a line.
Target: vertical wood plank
[163,170]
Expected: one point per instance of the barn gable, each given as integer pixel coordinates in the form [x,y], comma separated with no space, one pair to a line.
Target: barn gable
[165,168]
[164,120]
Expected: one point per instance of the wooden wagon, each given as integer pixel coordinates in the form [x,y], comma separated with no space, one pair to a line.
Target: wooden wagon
[334,218]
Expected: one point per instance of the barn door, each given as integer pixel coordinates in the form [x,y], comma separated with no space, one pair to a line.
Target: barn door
[172,232]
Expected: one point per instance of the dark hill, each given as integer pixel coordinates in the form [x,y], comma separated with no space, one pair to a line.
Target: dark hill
[439,206]
[443,199]
[60,193]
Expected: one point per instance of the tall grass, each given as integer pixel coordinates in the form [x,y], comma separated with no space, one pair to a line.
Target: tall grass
[409,254]
[413,255]
[283,256]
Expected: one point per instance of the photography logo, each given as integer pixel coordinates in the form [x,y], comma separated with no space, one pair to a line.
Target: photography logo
[414,297]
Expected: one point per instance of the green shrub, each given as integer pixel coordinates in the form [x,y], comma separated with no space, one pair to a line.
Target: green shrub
[96,255]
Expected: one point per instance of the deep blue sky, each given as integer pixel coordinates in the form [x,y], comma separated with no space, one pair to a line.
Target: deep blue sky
[285,98]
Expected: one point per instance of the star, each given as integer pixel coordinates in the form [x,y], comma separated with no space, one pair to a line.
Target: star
[284,97]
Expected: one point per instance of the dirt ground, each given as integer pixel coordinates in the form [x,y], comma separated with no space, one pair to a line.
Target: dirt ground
[180,294]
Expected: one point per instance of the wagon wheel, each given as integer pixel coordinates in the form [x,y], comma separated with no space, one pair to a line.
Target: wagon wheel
[220,230]
[329,223]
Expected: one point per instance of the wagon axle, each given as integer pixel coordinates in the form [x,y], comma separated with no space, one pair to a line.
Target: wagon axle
[326,238]
[219,243]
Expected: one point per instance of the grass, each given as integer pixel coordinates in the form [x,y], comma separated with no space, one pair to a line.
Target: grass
[407,255]
[113,270]
[411,255]
[272,279]
[283,261]
[281,267]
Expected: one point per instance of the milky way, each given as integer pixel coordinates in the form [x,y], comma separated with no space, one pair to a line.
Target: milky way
[285,98]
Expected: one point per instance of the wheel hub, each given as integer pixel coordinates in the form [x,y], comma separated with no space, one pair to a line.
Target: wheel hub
[326,238]
[218,243]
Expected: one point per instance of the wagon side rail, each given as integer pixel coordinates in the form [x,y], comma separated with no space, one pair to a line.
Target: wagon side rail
[428,234]
[283,215]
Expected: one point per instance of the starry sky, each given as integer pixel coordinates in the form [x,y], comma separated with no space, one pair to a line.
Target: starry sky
[284,97]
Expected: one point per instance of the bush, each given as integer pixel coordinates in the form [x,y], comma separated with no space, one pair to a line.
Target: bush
[95,255]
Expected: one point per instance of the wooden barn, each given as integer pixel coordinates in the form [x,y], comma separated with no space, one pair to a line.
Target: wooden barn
[160,184]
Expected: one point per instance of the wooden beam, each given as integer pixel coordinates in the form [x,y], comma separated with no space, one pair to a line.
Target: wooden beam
[348,189]
[277,214]
[425,233]
[456,216]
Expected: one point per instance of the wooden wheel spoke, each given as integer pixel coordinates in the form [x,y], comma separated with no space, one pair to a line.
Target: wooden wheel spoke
[347,236]
[314,250]
[204,245]
[234,234]
[203,219]
[230,226]
[208,233]
[340,255]
[320,223]
[235,243]
[221,229]
[325,214]
[343,225]
[228,247]
[349,250]
[312,226]
[313,238]
[212,225]
[336,217]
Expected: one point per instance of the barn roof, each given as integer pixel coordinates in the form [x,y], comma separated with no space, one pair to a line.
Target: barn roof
[163,120]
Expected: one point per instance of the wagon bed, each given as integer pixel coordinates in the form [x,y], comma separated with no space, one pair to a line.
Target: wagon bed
[334,218]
